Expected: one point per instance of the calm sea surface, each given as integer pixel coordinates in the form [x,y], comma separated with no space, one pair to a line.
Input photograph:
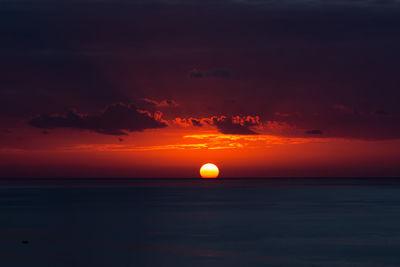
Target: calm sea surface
[194,222]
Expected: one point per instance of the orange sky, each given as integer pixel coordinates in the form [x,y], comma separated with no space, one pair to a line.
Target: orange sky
[179,152]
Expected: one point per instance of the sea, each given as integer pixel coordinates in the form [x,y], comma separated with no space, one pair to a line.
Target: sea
[200,222]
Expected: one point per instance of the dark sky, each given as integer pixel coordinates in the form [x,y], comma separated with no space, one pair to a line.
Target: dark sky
[326,68]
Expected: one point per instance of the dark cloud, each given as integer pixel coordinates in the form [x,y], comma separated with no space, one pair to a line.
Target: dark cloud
[314,132]
[220,73]
[196,74]
[167,103]
[217,73]
[228,126]
[196,122]
[116,119]
[381,112]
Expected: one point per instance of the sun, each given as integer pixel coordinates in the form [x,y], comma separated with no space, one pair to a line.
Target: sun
[209,170]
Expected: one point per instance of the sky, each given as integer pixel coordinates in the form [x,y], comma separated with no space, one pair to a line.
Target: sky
[262,88]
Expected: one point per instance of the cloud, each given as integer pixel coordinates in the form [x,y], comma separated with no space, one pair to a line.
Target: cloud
[116,119]
[196,74]
[220,73]
[162,104]
[188,122]
[200,142]
[381,112]
[234,125]
[196,122]
[314,132]
[217,73]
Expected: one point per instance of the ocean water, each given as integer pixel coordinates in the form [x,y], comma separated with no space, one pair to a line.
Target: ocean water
[194,222]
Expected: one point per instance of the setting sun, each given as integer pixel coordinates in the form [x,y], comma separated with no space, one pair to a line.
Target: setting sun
[209,170]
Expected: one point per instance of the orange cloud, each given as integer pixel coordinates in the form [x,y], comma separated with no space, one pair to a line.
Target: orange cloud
[207,141]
